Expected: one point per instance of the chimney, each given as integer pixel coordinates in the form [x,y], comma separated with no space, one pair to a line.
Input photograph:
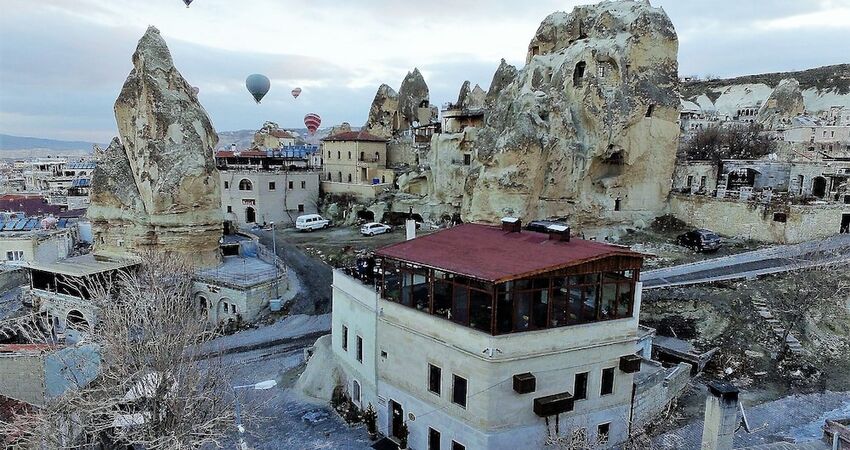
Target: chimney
[410,229]
[721,416]
[559,233]
[511,224]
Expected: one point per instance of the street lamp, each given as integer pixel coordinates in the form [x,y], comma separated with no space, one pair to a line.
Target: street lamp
[261,386]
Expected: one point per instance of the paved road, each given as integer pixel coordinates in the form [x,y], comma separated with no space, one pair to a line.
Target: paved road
[782,258]
[316,277]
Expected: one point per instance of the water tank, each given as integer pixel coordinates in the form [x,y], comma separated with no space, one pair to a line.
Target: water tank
[275,304]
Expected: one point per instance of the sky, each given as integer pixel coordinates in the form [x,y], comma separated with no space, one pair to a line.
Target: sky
[62,62]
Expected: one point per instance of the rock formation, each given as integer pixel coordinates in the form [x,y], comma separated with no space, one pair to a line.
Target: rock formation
[470,98]
[393,111]
[783,104]
[157,186]
[270,135]
[587,129]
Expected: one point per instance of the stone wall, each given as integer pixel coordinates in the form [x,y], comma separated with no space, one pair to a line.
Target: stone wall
[22,377]
[654,392]
[758,222]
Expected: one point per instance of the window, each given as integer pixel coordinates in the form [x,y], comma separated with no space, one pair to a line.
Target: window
[458,446]
[355,392]
[433,439]
[602,432]
[229,209]
[580,389]
[349,178]
[271,185]
[702,182]
[435,375]
[300,208]
[349,155]
[291,185]
[329,154]
[303,185]
[245,185]
[344,338]
[329,176]
[467,159]
[578,73]
[459,390]
[607,381]
[618,203]
[15,255]
[338,155]
[650,110]
[359,349]
[227,185]
[690,181]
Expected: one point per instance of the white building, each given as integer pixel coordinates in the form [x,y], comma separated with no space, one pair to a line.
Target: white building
[478,337]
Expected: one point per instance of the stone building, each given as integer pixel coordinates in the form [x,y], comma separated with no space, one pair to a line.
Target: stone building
[25,240]
[507,345]
[355,163]
[268,186]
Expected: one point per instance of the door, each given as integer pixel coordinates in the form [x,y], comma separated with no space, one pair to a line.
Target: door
[250,215]
[845,223]
[819,187]
[396,418]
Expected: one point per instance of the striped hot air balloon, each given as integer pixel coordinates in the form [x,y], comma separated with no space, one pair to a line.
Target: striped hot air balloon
[312,122]
[296,92]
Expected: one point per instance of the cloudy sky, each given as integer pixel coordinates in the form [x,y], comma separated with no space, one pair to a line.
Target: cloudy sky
[62,62]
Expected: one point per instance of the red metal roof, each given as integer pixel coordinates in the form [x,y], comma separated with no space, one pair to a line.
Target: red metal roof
[355,136]
[488,253]
[26,348]
[31,205]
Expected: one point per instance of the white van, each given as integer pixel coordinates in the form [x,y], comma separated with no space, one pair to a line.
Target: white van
[310,222]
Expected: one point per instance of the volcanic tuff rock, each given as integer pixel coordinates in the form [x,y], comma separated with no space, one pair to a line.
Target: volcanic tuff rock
[784,103]
[157,187]
[587,129]
[470,98]
[392,112]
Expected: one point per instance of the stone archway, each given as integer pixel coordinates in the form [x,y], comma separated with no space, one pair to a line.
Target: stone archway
[77,321]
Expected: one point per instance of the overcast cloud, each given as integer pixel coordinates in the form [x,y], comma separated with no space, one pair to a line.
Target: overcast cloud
[62,62]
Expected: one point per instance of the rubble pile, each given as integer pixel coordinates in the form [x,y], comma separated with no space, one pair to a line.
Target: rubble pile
[156,187]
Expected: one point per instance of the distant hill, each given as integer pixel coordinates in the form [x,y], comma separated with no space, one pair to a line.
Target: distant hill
[821,87]
[9,143]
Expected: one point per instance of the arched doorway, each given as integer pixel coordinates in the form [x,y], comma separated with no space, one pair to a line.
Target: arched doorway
[250,215]
[819,187]
[75,320]
[203,306]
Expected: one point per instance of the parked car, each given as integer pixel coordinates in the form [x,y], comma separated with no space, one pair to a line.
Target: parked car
[373,228]
[700,240]
[310,222]
[542,226]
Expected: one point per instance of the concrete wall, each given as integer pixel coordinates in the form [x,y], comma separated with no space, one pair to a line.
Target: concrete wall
[754,221]
[249,302]
[696,170]
[281,204]
[22,377]
[343,159]
[39,246]
[654,392]
[362,191]
[495,416]
[11,278]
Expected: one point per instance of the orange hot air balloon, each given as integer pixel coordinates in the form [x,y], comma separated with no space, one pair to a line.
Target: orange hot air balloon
[312,122]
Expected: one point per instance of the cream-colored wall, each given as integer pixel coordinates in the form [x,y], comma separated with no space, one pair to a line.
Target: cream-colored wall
[493,408]
[38,246]
[697,170]
[279,205]
[362,191]
[750,221]
[343,157]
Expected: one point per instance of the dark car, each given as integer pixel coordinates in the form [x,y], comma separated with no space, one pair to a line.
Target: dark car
[542,226]
[700,240]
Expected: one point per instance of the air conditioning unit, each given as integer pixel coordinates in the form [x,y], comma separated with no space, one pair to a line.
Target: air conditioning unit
[553,404]
[630,363]
[525,383]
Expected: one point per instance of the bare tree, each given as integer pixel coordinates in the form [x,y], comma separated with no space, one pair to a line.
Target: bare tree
[717,143]
[155,389]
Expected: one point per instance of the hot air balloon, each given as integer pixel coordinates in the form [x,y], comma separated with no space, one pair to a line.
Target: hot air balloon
[296,92]
[187,2]
[312,121]
[258,85]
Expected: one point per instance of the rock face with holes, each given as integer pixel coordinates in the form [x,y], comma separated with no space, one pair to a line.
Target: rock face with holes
[157,186]
[393,111]
[783,104]
[588,128]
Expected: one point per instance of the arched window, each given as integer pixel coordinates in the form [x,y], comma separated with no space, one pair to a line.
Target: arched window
[329,176]
[246,185]
[362,156]
[355,392]
[349,178]
[349,155]
[339,176]
[338,155]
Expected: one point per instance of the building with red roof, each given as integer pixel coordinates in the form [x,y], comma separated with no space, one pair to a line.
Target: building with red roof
[488,336]
[355,162]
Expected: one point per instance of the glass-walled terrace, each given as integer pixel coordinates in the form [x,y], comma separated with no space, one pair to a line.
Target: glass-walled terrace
[581,294]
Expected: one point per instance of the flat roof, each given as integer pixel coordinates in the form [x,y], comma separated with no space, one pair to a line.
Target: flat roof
[487,253]
[84,265]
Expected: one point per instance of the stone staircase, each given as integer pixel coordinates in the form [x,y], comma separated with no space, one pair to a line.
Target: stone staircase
[791,341]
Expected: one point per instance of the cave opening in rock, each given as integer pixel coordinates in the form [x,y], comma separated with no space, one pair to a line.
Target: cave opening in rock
[650,110]
[578,73]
